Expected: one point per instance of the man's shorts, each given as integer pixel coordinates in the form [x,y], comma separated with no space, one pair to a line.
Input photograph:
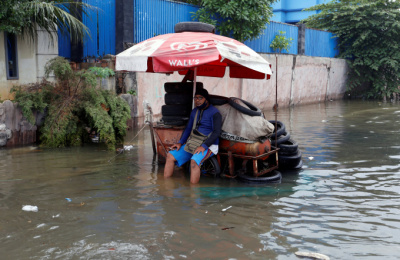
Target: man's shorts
[182,156]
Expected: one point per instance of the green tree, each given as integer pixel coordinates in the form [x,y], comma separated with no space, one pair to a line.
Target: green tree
[242,20]
[281,42]
[369,38]
[23,16]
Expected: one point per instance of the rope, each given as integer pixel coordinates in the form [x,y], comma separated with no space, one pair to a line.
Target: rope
[122,150]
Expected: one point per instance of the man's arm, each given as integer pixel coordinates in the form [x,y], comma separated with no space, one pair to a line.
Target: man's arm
[217,124]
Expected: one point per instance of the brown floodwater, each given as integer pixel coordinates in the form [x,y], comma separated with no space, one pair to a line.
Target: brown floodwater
[94,204]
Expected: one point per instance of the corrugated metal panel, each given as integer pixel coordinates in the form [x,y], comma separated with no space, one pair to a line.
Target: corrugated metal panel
[262,44]
[101,25]
[155,17]
[64,45]
[320,43]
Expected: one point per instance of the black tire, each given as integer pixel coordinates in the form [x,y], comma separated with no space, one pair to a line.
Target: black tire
[289,161]
[289,147]
[281,139]
[250,110]
[174,120]
[194,27]
[299,166]
[209,168]
[218,100]
[176,110]
[178,99]
[180,87]
[281,128]
[274,177]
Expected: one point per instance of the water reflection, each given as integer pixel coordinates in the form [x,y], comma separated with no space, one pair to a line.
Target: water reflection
[345,202]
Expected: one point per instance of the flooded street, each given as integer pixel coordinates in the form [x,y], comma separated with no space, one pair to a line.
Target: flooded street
[94,204]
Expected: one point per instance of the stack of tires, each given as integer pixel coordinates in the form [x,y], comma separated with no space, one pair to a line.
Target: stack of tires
[289,155]
[178,102]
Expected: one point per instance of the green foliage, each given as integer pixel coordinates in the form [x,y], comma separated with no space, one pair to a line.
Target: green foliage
[281,42]
[22,16]
[369,37]
[32,97]
[132,92]
[242,20]
[102,72]
[75,107]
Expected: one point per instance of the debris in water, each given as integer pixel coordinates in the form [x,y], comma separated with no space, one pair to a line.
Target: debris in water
[128,147]
[56,216]
[30,208]
[312,255]
[226,228]
[68,199]
[311,158]
[227,208]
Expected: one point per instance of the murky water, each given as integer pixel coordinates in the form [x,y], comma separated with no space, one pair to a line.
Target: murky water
[345,203]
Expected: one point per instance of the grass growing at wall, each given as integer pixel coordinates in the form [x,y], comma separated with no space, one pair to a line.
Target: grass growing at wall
[75,107]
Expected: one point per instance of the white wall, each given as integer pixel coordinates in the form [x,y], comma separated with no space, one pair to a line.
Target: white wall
[301,80]
[32,56]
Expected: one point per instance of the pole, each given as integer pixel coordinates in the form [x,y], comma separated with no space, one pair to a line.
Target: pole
[153,144]
[194,84]
[276,101]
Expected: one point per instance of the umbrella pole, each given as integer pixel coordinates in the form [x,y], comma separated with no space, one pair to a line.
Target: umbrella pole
[276,101]
[194,84]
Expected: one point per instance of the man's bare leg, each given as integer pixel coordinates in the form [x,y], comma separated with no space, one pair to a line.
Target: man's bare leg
[169,166]
[194,172]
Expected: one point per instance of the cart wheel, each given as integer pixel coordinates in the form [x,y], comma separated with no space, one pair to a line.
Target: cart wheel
[209,168]
[273,177]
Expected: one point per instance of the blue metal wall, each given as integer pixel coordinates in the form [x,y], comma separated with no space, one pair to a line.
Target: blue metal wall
[64,45]
[320,43]
[290,11]
[262,44]
[101,25]
[154,17]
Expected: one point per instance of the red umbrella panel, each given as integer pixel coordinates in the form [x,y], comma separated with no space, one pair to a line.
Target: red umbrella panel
[209,53]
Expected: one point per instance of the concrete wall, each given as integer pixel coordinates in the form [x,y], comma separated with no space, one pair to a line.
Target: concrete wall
[301,80]
[14,128]
[32,56]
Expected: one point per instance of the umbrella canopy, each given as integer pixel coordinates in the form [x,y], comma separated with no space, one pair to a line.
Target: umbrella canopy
[209,53]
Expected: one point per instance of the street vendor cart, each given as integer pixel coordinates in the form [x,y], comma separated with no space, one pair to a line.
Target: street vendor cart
[194,50]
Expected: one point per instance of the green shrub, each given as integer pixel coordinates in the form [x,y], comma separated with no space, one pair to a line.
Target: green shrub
[75,106]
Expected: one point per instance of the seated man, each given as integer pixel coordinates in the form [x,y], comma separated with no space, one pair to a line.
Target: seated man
[199,140]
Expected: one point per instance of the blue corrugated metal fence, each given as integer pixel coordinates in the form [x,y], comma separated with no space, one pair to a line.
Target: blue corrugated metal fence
[101,25]
[264,41]
[320,43]
[155,17]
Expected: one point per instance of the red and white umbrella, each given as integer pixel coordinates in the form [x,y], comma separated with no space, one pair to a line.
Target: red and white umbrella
[207,54]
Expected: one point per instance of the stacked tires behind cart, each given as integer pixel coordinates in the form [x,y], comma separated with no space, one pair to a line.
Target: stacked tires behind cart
[178,102]
[289,155]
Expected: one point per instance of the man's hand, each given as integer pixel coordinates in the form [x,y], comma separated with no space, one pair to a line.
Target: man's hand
[199,149]
[176,146]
